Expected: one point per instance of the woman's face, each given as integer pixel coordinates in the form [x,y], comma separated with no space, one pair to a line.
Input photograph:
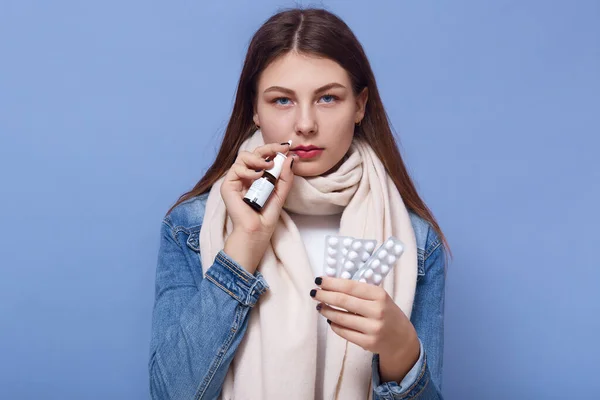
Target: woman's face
[309,100]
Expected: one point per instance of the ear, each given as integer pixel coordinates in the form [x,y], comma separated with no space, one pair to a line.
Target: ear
[361,104]
[255,118]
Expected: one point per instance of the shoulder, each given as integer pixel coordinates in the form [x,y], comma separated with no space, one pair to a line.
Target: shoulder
[428,241]
[427,238]
[188,215]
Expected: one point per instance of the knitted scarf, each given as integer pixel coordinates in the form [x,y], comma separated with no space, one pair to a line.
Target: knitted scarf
[277,357]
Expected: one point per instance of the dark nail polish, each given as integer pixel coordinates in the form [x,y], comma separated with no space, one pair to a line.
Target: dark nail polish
[319,306]
[329,321]
[313,293]
[285,143]
[268,159]
[318,281]
[292,163]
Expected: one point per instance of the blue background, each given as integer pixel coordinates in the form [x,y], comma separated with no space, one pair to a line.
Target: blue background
[110,110]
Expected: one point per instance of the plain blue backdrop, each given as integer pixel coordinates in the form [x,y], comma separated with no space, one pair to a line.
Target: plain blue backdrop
[110,110]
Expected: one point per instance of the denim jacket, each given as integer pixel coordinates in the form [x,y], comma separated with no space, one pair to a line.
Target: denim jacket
[192,344]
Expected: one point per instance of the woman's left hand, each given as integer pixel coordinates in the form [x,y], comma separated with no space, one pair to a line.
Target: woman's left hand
[372,321]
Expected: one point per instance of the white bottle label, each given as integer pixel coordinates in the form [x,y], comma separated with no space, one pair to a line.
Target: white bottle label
[260,191]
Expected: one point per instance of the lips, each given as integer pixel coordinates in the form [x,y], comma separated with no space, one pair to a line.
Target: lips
[306,148]
[307,151]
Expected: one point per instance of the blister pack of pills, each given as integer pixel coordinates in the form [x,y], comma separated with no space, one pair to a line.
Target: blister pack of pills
[376,268]
[336,248]
[345,255]
[359,252]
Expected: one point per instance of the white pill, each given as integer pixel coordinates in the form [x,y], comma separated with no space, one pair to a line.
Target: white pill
[331,252]
[365,256]
[368,273]
[369,246]
[333,241]
[331,261]
[391,259]
[356,245]
[352,255]
[385,269]
[389,244]
[330,271]
[346,275]
[344,251]
[382,254]
[363,280]
[375,264]
[347,242]
[398,249]
[348,265]
[377,279]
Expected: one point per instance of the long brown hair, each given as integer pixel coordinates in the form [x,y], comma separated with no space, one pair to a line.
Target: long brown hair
[321,33]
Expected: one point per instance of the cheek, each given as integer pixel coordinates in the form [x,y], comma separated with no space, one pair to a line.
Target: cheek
[274,124]
[339,127]
[341,148]
[342,130]
[338,119]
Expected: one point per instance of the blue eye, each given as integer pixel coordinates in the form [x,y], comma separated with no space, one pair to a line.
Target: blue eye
[328,98]
[282,101]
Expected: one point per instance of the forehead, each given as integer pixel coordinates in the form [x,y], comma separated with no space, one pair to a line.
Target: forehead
[300,71]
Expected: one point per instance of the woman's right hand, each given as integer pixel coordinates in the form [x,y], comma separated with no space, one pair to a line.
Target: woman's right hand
[252,230]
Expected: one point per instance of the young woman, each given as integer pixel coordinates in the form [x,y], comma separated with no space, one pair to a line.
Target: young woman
[242,308]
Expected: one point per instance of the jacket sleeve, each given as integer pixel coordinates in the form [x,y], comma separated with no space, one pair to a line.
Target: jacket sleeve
[424,380]
[197,324]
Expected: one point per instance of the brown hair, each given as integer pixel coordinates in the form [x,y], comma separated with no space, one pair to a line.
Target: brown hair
[320,33]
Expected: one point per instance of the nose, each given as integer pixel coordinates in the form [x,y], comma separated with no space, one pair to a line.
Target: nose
[306,123]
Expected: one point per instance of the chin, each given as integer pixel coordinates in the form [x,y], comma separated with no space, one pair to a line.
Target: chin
[305,171]
[308,172]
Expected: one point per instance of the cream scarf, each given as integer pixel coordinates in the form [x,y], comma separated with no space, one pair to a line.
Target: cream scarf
[277,357]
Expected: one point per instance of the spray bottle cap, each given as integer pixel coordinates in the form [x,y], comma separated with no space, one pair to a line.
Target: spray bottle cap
[278,161]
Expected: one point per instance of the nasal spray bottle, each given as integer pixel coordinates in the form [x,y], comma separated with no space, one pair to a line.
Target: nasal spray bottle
[263,187]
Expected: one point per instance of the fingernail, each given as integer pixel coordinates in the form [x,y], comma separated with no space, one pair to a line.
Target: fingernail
[268,159]
[319,306]
[292,163]
[329,321]
[313,293]
[285,143]
[318,281]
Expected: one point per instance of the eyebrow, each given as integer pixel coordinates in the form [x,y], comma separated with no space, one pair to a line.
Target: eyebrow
[319,90]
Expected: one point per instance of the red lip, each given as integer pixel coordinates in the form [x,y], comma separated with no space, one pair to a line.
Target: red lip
[306,148]
[308,153]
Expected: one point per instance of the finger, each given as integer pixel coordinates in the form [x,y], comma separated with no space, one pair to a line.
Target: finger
[353,288]
[238,171]
[253,161]
[347,302]
[358,338]
[269,150]
[346,319]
